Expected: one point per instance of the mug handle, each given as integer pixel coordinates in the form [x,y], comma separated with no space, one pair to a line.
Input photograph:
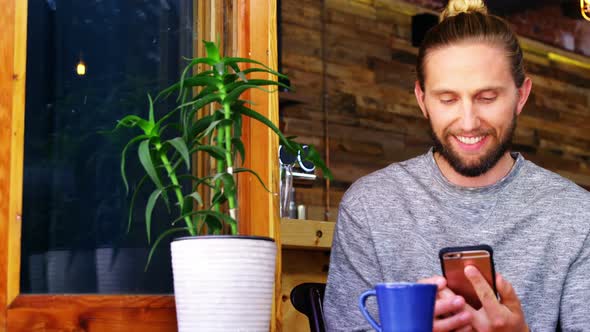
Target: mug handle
[362,302]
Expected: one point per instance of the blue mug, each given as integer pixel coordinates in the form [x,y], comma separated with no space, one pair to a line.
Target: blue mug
[403,307]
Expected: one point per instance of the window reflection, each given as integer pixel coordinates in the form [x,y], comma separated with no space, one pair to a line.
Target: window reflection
[75,207]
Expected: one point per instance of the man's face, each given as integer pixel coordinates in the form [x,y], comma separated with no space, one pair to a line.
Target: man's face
[472,103]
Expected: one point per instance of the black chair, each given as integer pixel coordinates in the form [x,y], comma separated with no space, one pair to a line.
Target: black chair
[307,298]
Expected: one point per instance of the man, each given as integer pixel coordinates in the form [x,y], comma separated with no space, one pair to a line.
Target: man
[469,189]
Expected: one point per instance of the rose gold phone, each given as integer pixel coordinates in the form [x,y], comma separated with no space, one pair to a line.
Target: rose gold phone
[453,262]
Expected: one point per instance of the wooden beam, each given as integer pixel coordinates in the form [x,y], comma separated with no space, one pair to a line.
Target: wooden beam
[259,210]
[13,43]
[92,313]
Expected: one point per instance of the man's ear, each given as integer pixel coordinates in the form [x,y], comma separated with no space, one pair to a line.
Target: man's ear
[523,94]
[420,98]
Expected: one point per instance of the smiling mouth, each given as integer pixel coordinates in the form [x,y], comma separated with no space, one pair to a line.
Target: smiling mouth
[469,140]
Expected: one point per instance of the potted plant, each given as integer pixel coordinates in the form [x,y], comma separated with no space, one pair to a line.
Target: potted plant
[221,282]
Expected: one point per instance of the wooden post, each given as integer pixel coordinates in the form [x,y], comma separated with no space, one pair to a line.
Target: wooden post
[13,43]
[258,212]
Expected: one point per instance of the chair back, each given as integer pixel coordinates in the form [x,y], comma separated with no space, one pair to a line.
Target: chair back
[308,299]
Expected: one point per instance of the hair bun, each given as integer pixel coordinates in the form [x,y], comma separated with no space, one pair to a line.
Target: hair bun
[455,7]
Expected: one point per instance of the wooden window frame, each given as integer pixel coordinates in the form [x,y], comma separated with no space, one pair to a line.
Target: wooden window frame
[255,37]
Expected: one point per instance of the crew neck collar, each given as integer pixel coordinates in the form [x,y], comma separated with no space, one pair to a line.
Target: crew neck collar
[461,190]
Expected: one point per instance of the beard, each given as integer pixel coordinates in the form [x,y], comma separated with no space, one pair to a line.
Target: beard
[483,163]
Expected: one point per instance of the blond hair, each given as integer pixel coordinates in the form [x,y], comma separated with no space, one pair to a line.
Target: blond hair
[463,6]
[468,20]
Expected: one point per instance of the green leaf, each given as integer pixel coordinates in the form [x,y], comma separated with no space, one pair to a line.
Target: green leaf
[230,60]
[212,51]
[160,238]
[314,156]
[195,195]
[188,176]
[231,87]
[149,208]
[205,92]
[259,117]
[237,92]
[151,108]
[220,216]
[247,170]
[239,147]
[230,78]
[193,63]
[200,125]
[214,225]
[164,94]
[133,120]
[132,203]
[210,81]
[229,184]
[218,198]
[215,151]
[180,145]
[237,120]
[124,158]
[236,69]
[212,125]
[196,104]
[256,70]
[203,180]
[146,161]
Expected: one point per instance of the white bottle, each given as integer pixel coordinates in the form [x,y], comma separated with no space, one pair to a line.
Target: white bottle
[292,205]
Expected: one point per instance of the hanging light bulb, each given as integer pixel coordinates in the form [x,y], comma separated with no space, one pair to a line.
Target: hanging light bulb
[585,9]
[81,68]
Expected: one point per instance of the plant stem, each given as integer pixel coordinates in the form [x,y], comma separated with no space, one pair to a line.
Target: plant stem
[226,130]
[179,197]
[228,158]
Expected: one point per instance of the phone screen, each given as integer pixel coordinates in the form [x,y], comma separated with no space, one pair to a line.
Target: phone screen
[453,262]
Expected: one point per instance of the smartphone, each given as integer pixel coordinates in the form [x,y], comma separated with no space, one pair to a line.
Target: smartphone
[453,261]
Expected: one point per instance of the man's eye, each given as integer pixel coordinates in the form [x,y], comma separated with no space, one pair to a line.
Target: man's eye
[447,101]
[487,100]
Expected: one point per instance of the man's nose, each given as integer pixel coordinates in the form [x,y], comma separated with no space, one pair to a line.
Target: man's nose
[469,117]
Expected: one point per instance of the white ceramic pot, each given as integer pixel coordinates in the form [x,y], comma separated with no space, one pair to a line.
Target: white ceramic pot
[223,283]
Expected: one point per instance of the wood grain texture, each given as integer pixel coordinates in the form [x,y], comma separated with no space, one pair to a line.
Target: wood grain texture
[258,210]
[307,234]
[6,94]
[13,19]
[300,266]
[17,148]
[87,313]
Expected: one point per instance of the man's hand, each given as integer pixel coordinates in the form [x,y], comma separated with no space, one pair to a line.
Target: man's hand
[494,315]
[449,310]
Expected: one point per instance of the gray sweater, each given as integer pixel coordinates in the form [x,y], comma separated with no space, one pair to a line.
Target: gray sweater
[392,223]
